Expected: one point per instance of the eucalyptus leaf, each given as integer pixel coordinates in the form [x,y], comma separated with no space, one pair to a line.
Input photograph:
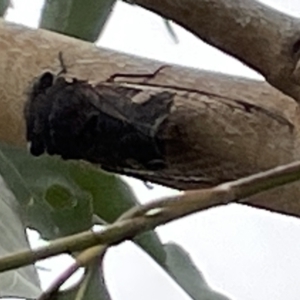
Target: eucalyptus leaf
[23,282]
[33,181]
[4,4]
[183,270]
[111,198]
[83,19]
[150,242]
[61,197]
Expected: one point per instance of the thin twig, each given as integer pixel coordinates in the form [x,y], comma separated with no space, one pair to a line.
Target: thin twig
[82,260]
[146,217]
[84,284]
[95,265]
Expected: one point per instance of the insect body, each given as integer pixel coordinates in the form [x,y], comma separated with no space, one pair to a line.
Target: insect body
[100,124]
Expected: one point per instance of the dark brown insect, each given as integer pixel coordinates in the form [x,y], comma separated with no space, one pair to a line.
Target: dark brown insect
[100,124]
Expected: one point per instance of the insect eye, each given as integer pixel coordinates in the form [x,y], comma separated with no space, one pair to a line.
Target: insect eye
[46,80]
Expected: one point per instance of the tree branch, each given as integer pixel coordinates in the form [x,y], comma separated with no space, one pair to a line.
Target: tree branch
[83,259]
[149,216]
[265,39]
[217,109]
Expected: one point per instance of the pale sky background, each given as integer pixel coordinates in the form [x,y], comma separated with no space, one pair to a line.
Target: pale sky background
[245,253]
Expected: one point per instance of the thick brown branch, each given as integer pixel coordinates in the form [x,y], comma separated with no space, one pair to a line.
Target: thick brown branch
[218,125]
[261,37]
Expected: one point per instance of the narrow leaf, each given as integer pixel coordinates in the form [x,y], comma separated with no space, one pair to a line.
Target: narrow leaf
[23,282]
[83,19]
[183,270]
[4,4]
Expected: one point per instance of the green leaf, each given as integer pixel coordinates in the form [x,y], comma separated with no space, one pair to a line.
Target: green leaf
[23,282]
[4,4]
[83,19]
[182,269]
[73,218]
[34,180]
[150,242]
[60,197]
[111,195]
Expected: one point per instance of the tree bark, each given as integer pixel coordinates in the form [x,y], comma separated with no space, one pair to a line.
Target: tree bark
[266,40]
[220,127]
